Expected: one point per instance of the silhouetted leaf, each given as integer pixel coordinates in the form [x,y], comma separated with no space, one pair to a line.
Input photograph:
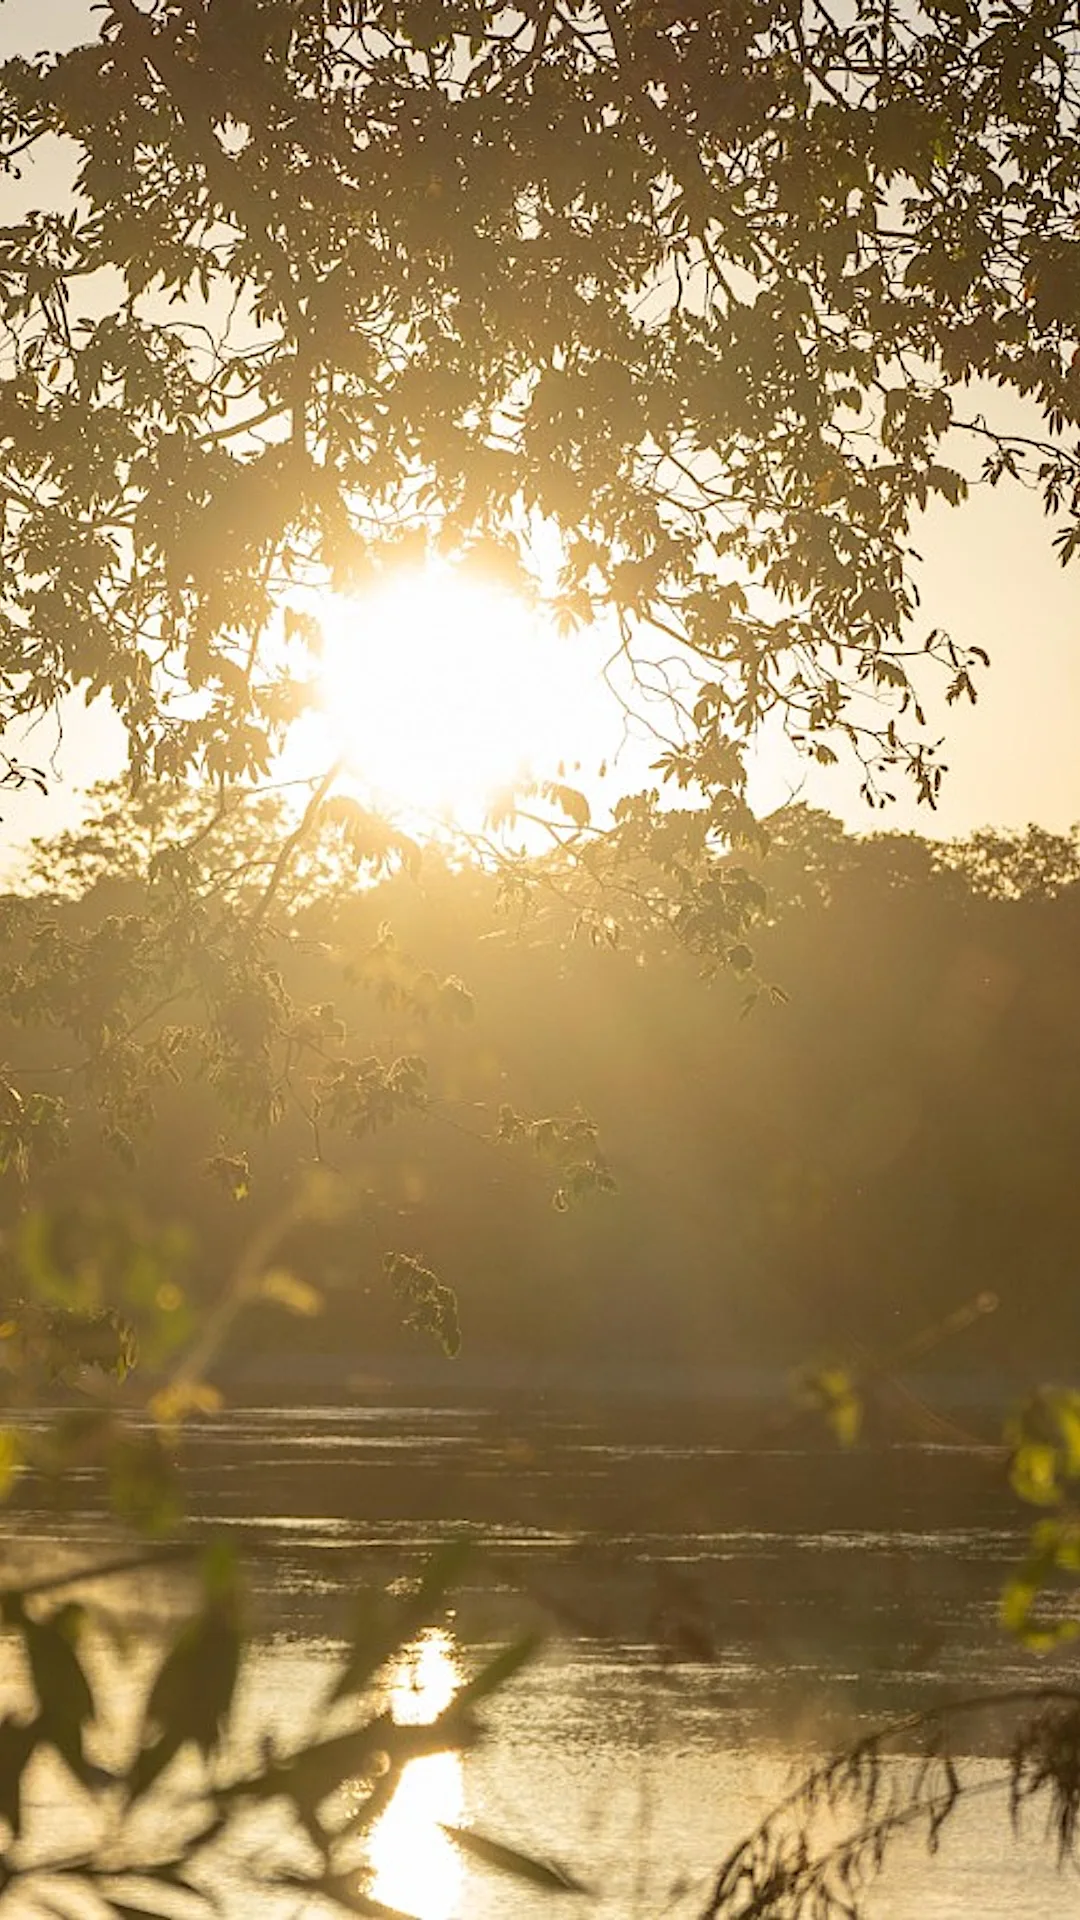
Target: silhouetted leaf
[192,1693]
[497,1671]
[430,1305]
[65,1702]
[382,1624]
[543,1874]
[18,1743]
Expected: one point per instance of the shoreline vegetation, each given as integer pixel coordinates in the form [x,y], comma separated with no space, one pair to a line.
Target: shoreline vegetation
[840,1179]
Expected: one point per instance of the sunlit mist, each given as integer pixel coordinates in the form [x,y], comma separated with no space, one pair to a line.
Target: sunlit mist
[440,689]
[416,1868]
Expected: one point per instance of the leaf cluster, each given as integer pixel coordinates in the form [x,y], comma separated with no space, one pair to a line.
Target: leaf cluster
[1044,1466]
[349,1739]
[569,1143]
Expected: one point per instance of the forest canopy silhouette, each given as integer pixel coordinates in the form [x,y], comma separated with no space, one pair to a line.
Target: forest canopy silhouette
[830,1175]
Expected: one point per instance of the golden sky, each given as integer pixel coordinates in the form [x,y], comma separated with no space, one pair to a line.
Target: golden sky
[991,579]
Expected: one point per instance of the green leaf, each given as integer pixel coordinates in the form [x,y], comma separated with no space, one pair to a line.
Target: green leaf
[833,1392]
[1054,1550]
[1033,1472]
[1044,1435]
[286,1290]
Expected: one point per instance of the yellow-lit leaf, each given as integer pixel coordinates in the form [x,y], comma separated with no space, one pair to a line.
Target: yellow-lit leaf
[834,1392]
[1034,1473]
[231,1171]
[174,1403]
[296,1296]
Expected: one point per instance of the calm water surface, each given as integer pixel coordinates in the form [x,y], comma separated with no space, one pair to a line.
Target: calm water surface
[716,1618]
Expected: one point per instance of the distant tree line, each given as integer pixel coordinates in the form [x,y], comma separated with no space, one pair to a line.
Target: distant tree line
[887,1132]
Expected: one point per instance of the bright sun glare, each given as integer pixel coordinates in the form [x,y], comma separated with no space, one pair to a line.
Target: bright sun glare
[417,1869]
[440,689]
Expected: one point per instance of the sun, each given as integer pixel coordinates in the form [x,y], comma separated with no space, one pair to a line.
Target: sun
[440,689]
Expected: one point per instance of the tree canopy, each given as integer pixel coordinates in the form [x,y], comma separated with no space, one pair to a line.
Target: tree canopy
[721,294]
[671,316]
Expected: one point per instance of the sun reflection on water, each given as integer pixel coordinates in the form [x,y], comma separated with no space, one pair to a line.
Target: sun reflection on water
[416,1868]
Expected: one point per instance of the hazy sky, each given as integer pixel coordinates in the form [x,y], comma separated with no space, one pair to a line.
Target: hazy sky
[26,26]
[990,578]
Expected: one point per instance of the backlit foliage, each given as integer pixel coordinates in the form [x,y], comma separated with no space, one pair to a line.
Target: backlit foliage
[130,1866]
[703,289]
[821,1850]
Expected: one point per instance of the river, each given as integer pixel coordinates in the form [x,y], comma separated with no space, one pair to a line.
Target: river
[715,1619]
